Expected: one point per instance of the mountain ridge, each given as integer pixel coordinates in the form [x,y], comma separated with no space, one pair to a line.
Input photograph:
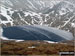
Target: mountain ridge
[60,15]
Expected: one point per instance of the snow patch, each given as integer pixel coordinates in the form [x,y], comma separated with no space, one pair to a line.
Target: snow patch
[19,40]
[32,47]
[50,41]
[73,25]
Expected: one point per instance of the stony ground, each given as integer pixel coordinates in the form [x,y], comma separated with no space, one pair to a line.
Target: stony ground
[33,48]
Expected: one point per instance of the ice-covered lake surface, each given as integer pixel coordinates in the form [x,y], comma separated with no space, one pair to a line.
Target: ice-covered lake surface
[36,33]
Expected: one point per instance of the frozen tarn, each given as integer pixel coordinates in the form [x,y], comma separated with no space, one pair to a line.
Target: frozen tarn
[5,38]
[65,34]
[1,31]
[36,33]
[1,36]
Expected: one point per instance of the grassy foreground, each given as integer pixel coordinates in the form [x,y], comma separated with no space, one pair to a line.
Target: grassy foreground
[33,48]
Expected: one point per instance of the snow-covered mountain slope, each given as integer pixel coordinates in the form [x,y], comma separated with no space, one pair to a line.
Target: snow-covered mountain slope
[36,33]
[4,17]
[33,5]
[36,5]
[52,13]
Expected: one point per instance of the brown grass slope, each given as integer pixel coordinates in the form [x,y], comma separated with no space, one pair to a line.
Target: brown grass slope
[41,48]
